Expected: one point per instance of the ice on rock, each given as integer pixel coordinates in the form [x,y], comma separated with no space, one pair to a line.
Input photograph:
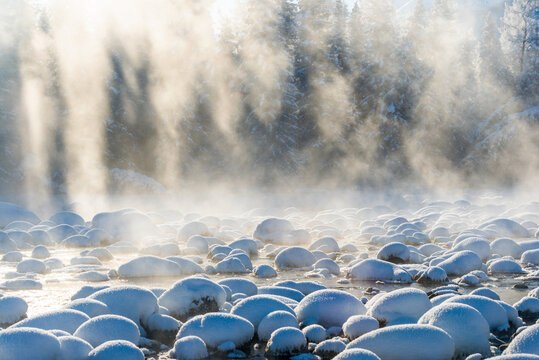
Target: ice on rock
[231,265]
[409,303]
[264,271]
[90,307]
[486,292]
[429,249]
[286,341]
[295,257]
[238,285]
[394,252]
[359,325]
[527,307]
[192,296]
[328,308]
[148,266]
[478,245]
[468,280]
[404,342]
[190,348]
[32,266]
[433,274]
[256,307]
[282,291]
[103,328]
[356,354]
[491,310]
[329,348]
[11,212]
[101,253]
[273,321]
[248,245]
[12,309]
[513,357]
[534,293]
[274,230]
[505,227]
[132,302]
[202,243]
[28,343]
[374,269]
[461,263]
[40,252]
[530,257]
[506,247]
[59,233]
[40,237]
[526,342]
[216,328]
[504,266]
[117,350]
[468,328]
[67,217]
[73,348]
[99,237]
[306,287]
[65,319]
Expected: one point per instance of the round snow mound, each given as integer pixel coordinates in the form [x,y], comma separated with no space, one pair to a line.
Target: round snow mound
[404,342]
[148,266]
[217,328]
[397,304]
[527,342]
[328,308]
[74,348]
[193,296]
[28,343]
[374,270]
[190,348]
[491,310]
[359,325]
[467,327]
[105,328]
[117,350]
[256,307]
[356,354]
[65,319]
[286,341]
[295,257]
[12,309]
[273,321]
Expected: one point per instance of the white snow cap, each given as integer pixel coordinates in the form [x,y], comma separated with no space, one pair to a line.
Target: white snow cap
[491,310]
[356,354]
[189,294]
[530,257]
[117,350]
[149,266]
[190,348]
[374,269]
[295,257]
[256,307]
[404,342]
[73,348]
[273,230]
[402,303]
[273,321]
[461,263]
[329,308]
[12,309]
[28,343]
[286,341]
[64,319]
[103,328]
[216,328]
[527,342]
[468,328]
[359,325]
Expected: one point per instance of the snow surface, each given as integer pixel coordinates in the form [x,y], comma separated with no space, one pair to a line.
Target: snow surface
[190,348]
[402,303]
[358,325]
[256,307]
[527,342]
[273,321]
[286,341]
[103,328]
[28,343]
[65,319]
[374,269]
[117,350]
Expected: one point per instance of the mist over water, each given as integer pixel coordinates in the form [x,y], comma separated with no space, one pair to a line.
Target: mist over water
[166,97]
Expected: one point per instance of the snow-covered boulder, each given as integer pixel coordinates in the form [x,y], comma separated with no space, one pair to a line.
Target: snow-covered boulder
[305,287]
[402,303]
[478,245]
[314,333]
[255,308]
[217,328]
[491,310]
[504,266]
[468,328]
[238,285]
[264,271]
[404,342]
[282,291]
[526,342]
[433,274]
[12,309]
[187,266]
[329,265]
[190,348]
[461,263]
[28,343]
[527,307]
[90,307]
[374,269]
[273,321]
[100,253]
[192,296]
[132,302]
[326,244]
[67,217]
[65,319]
[394,252]
[359,325]
[11,212]
[296,258]
[6,244]
[486,292]
[530,257]
[193,228]
[73,348]
[125,224]
[248,245]
[231,265]
[356,354]
[505,227]
[273,230]
[103,328]
[87,290]
[21,284]
[506,247]
[32,266]
[148,266]
[328,308]
[329,348]
[40,252]
[286,341]
[117,350]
